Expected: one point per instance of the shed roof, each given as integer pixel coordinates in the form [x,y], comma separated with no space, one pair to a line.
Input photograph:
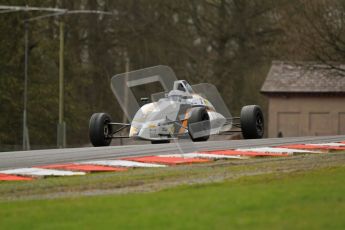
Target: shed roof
[304,77]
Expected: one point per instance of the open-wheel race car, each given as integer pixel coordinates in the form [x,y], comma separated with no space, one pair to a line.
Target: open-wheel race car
[180,111]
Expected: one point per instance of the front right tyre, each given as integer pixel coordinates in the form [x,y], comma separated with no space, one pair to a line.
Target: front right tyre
[99,129]
[199,124]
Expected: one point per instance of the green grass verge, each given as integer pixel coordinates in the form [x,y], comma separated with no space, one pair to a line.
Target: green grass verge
[110,181]
[308,200]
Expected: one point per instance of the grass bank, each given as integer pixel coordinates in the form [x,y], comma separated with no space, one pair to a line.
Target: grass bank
[297,200]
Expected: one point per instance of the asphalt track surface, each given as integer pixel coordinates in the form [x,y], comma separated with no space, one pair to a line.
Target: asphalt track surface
[31,158]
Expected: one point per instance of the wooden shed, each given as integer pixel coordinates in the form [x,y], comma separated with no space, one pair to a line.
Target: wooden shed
[305,99]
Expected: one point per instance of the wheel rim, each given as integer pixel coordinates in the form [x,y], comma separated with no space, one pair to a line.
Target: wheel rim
[205,117]
[259,124]
[106,129]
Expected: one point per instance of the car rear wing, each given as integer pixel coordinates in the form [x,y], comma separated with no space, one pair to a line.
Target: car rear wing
[121,85]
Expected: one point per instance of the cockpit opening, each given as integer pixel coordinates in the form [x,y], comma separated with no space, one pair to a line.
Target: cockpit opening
[183,86]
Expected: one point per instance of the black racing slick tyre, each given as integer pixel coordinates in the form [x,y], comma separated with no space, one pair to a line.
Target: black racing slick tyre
[199,124]
[100,130]
[252,122]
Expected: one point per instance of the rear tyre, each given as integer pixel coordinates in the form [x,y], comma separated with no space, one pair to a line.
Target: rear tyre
[199,132]
[160,142]
[99,129]
[252,122]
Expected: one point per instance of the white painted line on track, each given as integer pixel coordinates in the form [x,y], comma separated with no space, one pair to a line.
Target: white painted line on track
[40,172]
[329,144]
[122,163]
[276,150]
[203,155]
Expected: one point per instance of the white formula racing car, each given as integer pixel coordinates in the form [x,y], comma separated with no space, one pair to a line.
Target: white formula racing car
[181,111]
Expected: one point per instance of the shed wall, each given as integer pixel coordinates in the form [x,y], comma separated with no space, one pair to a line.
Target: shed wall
[306,115]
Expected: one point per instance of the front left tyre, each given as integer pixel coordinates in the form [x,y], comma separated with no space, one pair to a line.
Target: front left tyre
[100,130]
[252,122]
